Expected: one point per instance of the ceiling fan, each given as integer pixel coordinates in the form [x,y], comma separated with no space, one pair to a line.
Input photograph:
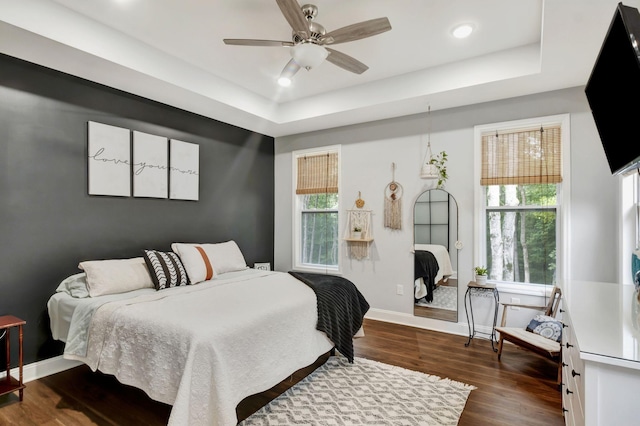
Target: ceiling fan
[309,40]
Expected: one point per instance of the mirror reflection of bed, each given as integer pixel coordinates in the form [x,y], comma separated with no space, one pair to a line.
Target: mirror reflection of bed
[435,225]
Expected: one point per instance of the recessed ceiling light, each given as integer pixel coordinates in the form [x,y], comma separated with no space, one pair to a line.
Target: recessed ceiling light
[462,31]
[284,81]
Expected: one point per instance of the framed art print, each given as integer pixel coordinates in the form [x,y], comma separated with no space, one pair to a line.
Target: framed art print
[150,165]
[184,173]
[109,160]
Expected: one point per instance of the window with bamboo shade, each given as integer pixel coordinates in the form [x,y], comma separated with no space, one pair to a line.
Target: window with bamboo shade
[524,156]
[317,247]
[522,171]
[317,174]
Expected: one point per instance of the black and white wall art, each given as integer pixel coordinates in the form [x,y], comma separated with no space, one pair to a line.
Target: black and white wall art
[184,170]
[160,168]
[109,165]
[150,165]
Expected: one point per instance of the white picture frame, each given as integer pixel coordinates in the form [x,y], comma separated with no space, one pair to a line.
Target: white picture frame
[150,165]
[266,266]
[109,160]
[184,171]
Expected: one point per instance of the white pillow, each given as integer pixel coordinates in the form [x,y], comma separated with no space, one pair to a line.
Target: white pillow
[206,261]
[116,275]
[75,285]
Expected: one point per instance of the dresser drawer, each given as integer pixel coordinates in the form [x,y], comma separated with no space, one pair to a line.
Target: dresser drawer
[572,376]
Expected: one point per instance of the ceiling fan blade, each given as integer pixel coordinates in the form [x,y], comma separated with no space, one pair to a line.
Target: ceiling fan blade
[252,42]
[293,14]
[356,31]
[346,62]
[290,69]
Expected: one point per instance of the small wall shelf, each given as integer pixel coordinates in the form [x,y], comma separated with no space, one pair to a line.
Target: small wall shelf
[358,247]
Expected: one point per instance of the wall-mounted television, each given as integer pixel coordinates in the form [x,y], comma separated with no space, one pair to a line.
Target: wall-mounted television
[613,91]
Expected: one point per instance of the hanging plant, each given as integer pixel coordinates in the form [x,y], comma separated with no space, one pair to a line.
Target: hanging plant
[440,162]
[434,166]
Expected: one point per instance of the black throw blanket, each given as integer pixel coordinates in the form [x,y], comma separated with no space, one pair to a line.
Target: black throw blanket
[426,267]
[341,308]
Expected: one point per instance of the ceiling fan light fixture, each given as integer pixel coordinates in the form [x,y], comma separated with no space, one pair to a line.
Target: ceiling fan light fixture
[462,31]
[308,55]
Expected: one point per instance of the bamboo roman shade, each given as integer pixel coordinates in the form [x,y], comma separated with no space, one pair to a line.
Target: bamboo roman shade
[526,156]
[318,174]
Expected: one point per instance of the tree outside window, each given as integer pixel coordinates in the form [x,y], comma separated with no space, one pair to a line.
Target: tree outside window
[521,233]
[319,231]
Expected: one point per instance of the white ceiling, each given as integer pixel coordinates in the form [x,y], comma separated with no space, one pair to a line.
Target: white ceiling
[172,51]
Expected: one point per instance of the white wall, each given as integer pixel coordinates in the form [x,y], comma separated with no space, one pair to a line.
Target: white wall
[368,151]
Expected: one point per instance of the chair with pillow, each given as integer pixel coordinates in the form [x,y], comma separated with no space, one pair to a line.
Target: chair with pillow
[543,335]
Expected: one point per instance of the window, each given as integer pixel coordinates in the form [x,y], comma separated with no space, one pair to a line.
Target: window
[629,238]
[519,210]
[316,224]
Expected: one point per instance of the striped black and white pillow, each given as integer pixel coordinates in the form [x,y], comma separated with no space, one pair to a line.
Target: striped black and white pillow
[166,269]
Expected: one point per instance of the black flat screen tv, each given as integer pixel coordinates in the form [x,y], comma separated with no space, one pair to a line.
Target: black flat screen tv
[613,91]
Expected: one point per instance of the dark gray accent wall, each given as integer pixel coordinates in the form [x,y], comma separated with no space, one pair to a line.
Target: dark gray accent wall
[49,223]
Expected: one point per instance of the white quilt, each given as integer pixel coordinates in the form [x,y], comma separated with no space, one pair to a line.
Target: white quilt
[204,348]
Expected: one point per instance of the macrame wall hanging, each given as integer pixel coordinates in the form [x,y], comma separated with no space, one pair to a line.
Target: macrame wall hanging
[358,232]
[392,205]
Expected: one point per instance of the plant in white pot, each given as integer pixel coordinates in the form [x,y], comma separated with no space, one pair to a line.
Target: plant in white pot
[435,167]
[356,233]
[481,275]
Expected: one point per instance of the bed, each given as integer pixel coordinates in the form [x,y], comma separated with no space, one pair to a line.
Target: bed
[200,348]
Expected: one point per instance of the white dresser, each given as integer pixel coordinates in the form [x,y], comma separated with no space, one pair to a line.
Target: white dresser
[601,354]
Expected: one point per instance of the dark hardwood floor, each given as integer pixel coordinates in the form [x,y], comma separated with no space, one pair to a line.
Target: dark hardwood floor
[519,390]
[436,313]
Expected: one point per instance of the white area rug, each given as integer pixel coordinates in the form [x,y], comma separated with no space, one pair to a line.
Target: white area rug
[365,393]
[444,297]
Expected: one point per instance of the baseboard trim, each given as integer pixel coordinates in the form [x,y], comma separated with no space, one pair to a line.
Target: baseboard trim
[39,369]
[459,328]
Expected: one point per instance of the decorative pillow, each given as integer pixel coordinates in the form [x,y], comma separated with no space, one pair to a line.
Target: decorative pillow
[205,261]
[116,275]
[546,326]
[166,269]
[75,285]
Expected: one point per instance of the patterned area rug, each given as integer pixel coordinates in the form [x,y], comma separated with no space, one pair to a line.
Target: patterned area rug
[365,393]
[444,297]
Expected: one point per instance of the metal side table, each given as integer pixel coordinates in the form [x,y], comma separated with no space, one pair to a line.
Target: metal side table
[474,288]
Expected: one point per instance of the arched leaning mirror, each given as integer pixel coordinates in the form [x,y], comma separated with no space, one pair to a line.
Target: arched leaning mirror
[435,233]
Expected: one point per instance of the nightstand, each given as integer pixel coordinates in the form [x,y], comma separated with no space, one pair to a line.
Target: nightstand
[10,384]
[474,288]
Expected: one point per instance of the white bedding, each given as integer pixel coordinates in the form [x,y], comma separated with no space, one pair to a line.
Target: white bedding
[202,348]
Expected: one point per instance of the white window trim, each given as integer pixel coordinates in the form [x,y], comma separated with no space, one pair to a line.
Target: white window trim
[628,225]
[562,218]
[295,234]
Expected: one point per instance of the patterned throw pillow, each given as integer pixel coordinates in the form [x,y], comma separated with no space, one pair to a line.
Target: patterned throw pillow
[546,326]
[166,269]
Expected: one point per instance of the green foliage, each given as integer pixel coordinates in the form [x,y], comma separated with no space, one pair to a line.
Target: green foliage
[539,222]
[481,270]
[319,236]
[357,229]
[440,161]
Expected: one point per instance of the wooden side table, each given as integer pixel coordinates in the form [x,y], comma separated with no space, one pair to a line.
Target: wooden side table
[10,384]
[475,288]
